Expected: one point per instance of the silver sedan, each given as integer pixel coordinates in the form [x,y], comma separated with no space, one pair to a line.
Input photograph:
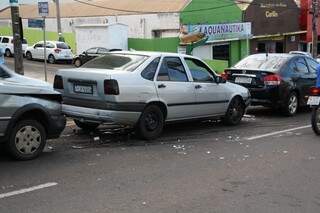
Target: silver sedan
[145,90]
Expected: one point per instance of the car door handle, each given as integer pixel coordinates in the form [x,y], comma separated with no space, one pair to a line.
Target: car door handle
[198,86]
[162,86]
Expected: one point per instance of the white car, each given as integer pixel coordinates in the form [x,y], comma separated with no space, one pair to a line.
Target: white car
[145,90]
[7,43]
[56,51]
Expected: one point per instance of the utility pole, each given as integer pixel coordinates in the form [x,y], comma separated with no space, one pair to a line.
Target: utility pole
[17,37]
[314,28]
[58,20]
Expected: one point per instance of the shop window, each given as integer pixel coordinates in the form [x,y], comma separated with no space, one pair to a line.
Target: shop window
[261,48]
[279,47]
[221,52]
[156,33]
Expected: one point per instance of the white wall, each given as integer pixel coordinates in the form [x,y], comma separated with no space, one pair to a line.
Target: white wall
[140,26]
[203,52]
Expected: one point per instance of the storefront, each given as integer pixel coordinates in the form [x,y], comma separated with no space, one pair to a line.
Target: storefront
[275,26]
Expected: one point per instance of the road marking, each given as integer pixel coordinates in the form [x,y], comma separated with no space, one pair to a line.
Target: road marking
[277,132]
[22,191]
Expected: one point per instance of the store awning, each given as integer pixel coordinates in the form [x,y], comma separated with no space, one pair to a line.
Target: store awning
[280,34]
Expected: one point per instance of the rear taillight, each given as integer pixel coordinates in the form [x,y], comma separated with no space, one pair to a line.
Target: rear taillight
[58,82]
[314,91]
[57,50]
[272,80]
[111,87]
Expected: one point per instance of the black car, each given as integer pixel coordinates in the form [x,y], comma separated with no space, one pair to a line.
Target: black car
[91,54]
[280,81]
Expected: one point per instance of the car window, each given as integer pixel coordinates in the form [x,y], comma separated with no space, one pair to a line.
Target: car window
[49,45]
[312,65]
[92,51]
[301,65]
[149,72]
[62,45]
[38,45]
[199,71]
[172,70]
[5,40]
[116,61]
[102,51]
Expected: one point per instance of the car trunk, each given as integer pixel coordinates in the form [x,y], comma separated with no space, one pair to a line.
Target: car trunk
[85,87]
[248,78]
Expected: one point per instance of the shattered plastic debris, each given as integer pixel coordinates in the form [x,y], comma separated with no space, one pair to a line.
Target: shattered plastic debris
[285,152]
[178,140]
[98,155]
[144,203]
[208,152]
[311,158]
[298,134]
[221,158]
[96,138]
[77,147]
[245,156]
[230,137]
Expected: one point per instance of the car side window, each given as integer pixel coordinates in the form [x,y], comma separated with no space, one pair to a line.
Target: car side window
[312,65]
[92,51]
[5,40]
[102,51]
[301,66]
[49,45]
[172,70]
[149,72]
[199,71]
[38,45]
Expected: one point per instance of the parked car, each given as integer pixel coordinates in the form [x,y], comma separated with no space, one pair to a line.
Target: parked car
[276,80]
[56,51]
[30,113]
[91,54]
[7,43]
[300,53]
[146,90]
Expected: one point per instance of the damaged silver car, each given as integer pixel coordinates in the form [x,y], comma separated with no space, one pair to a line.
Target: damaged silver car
[30,113]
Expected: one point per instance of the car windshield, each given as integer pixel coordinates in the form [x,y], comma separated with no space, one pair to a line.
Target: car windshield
[262,62]
[125,62]
[62,46]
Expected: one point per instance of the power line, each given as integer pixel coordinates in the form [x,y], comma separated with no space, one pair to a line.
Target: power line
[146,12]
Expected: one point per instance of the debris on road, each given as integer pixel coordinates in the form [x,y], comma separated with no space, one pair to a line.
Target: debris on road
[77,147]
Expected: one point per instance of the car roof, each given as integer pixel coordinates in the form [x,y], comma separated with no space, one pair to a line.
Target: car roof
[154,54]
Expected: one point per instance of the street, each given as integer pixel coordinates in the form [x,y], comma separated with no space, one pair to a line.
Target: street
[268,163]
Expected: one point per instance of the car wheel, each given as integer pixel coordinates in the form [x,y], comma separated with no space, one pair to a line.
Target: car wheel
[8,53]
[27,140]
[235,112]
[86,126]
[51,59]
[292,104]
[29,55]
[315,119]
[151,122]
[77,62]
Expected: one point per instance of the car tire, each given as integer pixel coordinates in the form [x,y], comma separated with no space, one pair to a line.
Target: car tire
[315,120]
[77,62]
[8,53]
[29,55]
[291,105]
[51,59]
[86,126]
[235,112]
[151,122]
[26,140]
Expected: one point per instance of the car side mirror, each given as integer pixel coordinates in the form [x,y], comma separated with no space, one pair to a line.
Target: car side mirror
[220,80]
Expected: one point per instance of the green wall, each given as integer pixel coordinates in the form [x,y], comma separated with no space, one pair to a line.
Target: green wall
[211,12]
[156,44]
[34,35]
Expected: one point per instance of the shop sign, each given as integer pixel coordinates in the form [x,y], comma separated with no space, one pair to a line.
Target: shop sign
[223,31]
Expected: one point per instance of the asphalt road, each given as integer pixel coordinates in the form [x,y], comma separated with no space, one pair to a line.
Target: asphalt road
[269,163]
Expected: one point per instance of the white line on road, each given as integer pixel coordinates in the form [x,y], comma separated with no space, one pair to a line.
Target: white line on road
[277,132]
[22,191]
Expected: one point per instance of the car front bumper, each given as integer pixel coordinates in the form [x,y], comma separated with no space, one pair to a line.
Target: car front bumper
[101,116]
[56,125]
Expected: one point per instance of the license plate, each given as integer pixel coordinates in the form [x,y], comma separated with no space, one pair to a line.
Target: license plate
[85,89]
[243,80]
[313,100]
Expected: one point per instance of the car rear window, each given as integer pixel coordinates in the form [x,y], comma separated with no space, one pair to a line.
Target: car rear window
[262,62]
[125,62]
[62,46]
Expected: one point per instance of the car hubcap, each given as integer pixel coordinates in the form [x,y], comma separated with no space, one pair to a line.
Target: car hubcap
[236,111]
[151,121]
[78,63]
[293,104]
[51,59]
[318,117]
[28,140]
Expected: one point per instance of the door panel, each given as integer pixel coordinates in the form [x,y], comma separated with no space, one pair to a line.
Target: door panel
[174,87]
